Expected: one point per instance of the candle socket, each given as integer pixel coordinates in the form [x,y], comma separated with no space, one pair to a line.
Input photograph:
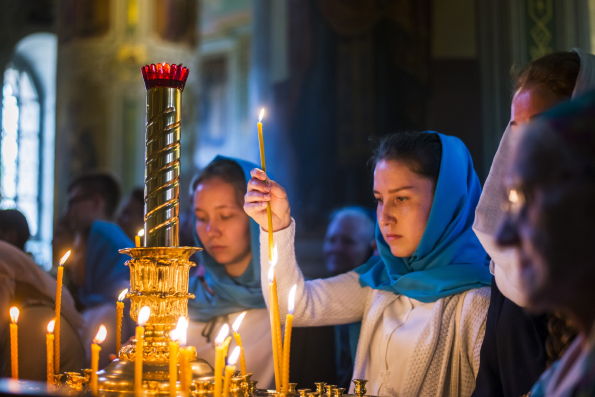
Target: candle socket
[320,388]
[329,389]
[360,386]
[339,392]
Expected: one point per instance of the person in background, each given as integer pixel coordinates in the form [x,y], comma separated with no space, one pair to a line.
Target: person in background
[25,285]
[99,274]
[131,217]
[14,228]
[92,196]
[348,239]
[550,226]
[518,346]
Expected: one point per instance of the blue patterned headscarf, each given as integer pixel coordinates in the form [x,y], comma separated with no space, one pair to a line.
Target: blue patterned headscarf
[449,258]
[105,273]
[230,294]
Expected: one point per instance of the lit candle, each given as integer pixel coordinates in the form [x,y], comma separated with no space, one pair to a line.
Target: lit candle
[49,344]
[119,315]
[95,349]
[219,358]
[287,340]
[238,338]
[58,308]
[14,344]
[275,325]
[230,369]
[184,356]
[264,168]
[140,234]
[173,361]
[143,316]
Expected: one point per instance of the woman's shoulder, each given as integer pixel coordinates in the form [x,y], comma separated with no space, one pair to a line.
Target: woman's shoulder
[475,309]
[478,298]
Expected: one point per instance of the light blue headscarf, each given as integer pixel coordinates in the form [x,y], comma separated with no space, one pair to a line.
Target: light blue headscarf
[449,259]
[105,273]
[230,294]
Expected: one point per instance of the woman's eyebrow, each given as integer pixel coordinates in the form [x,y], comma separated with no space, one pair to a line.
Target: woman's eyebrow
[400,188]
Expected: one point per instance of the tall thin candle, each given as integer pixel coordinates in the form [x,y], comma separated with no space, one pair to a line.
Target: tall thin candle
[275,329]
[238,338]
[143,316]
[49,344]
[184,356]
[264,168]
[119,315]
[14,342]
[230,369]
[95,349]
[287,341]
[219,358]
[173,362]
[58,308]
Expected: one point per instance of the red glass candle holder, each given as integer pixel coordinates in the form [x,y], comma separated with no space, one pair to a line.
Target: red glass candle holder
[165,75]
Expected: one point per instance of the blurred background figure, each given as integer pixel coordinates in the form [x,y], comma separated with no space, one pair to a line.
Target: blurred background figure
[14,228]
[348,239]
[131,217]
[62,240]
[93,196]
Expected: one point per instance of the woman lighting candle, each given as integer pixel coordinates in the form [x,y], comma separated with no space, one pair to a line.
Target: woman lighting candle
[95,349]
[58,308]
[119,315]
[219,358]
[287,341]
[49,342]
[238,339]
[14,344]
[230,369]
[143,316]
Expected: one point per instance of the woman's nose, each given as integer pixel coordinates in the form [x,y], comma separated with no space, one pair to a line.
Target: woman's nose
[212,229]
[507,234]
[384,215]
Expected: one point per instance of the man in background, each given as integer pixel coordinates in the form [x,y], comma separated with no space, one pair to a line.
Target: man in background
[14,228]
[132,215]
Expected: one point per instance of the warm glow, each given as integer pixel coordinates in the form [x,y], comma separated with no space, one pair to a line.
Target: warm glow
[261,115]
[238,322]
[513,196]
[141,233]
[14,314]
[64,258]
[182,330]
[51,325]
[101,335]
[275,257]
[235,354]
[122,295]
[143,315]
[271,274]
[222,334]
[291,299]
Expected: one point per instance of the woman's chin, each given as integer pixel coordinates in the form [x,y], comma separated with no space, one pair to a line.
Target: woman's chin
[401,251]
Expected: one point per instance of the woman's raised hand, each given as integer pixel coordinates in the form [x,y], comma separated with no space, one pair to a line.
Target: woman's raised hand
[262,190]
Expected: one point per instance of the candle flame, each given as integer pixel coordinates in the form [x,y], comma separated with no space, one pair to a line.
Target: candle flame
[174,335]
[143,315]
[291,299]
[271,274]
[233,358]
[222,334]
[122,295]
[261,115]
[513,196]
[273,261]
[64,258]
[101,335]
[14,314]
[182,330]
[141,233]
[236,324]
[51,326]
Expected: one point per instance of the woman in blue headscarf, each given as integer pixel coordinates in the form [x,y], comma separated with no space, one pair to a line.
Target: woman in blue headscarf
[231,261]
[423,303]
[99,272]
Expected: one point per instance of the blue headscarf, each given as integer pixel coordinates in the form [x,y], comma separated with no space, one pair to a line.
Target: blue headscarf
[449,259]
[230,294]
[105,273]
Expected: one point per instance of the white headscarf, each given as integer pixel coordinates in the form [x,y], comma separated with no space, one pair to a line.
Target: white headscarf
[488,214]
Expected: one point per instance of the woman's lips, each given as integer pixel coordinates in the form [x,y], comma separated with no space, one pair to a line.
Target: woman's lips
[217,247]
[393,237]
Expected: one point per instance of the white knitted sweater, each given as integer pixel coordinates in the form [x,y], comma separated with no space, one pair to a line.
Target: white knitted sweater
[341,300]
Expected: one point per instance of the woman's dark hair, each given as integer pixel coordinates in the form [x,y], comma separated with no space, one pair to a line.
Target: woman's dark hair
[557,72]
[229,171]
[420,151]
[561,334]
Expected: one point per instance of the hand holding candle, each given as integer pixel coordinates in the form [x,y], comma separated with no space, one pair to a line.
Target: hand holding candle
[49,343]
[287,341]
[58,308]
[230,369]
[219,358]
[14,342]
[143,316]
[119,315]
[238,338]
[95,349]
